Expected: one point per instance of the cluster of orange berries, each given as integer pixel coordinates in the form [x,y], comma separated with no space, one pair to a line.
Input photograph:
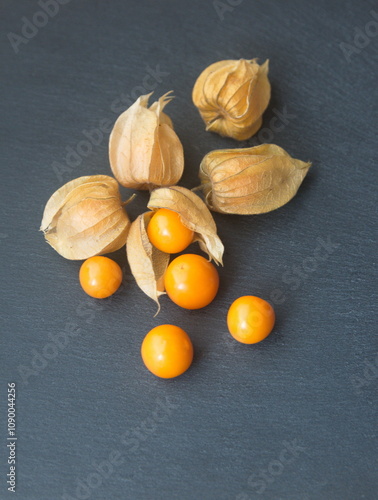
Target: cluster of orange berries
[191,282]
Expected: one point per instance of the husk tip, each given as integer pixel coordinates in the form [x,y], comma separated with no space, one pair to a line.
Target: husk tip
[166,99]
[158,309]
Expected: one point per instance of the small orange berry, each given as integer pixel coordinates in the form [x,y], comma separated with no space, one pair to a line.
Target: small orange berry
[100,277]
[167,232]
[167,351]
[191,281]
[250,319]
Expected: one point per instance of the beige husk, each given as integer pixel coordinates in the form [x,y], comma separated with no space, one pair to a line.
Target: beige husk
[147,263]
[144,150]
[231,97]
[85,217]
[194,214]
[251,180]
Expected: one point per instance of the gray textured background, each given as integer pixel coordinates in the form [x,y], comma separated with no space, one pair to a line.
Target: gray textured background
[219,431]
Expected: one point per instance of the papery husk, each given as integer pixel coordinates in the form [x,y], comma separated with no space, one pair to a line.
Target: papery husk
[250,180]
[147,263]
[231,97]
[85,217]
[194,214]
[144,150]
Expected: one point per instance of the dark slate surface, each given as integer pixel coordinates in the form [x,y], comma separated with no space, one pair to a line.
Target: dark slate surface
[221,430]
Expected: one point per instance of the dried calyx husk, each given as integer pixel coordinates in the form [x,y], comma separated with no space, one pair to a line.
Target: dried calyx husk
[231,97]
[194,214]
[85,217]
[147,263]
[250,180]
[144,150]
